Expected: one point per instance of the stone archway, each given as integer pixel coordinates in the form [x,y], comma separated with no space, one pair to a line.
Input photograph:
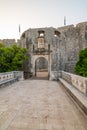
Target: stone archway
[41,67]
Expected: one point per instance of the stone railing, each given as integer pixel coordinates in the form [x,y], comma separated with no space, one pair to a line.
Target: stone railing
[54,75]
[78,82]
[18,75]
[8,77]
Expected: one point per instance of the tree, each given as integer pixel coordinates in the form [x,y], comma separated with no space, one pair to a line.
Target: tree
[12,58]
[81,65]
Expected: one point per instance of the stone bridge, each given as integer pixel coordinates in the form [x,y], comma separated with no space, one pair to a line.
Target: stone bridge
[44,105]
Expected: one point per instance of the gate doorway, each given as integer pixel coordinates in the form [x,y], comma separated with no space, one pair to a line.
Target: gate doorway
[41,68]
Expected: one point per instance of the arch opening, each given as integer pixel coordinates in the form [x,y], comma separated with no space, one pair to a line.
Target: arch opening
[41,67]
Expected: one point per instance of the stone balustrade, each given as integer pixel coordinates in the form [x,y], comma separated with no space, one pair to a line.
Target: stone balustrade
[8,77]
[78,82]
[18,75]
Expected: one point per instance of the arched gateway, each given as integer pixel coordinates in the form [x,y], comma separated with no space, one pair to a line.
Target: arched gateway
[41,67]
[43,45]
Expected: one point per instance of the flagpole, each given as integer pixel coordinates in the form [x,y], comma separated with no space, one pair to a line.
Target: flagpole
[64,20]
[19,30]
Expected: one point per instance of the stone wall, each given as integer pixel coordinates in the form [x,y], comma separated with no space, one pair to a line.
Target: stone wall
[29,40]
[75,39]
[65,45]
[10,42]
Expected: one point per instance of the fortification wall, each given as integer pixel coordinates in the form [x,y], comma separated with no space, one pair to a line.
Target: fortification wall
[64,47]
[74,39]
[10,42]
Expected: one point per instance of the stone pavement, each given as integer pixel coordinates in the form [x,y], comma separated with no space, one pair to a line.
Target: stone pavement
[39,105]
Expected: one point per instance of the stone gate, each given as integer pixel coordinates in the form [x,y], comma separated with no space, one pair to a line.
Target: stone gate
[59,46]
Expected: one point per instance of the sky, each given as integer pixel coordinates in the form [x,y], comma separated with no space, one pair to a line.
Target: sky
[37,14]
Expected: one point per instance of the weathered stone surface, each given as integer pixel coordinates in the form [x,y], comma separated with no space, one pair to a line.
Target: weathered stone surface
[78,82]
[76,95]
[61,46]
[8,78]
[39,105]
[10,42]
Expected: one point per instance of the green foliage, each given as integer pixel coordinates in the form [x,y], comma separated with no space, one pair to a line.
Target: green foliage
[81,65]
[12,58]
[2,45]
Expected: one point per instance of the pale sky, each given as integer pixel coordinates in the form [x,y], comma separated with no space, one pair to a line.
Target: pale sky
[38,13]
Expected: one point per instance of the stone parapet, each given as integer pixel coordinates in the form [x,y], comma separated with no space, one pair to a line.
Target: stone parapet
[18,75]
[54,75]
[79,98]
[5,76]
[9,77]
[78,82]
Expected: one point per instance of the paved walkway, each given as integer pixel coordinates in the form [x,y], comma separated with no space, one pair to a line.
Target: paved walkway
[38,105]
